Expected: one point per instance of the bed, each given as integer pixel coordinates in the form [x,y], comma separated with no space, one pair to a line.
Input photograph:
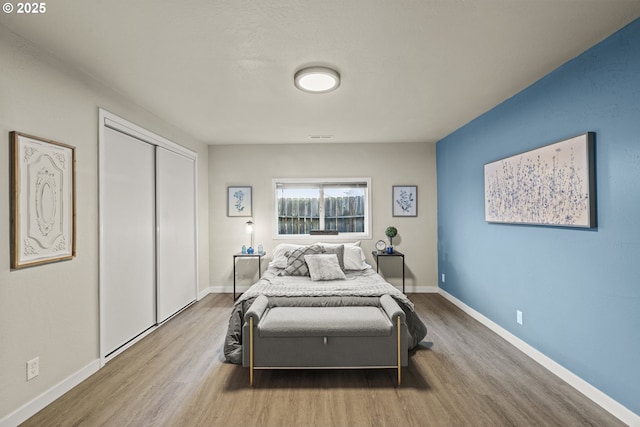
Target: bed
[321,275]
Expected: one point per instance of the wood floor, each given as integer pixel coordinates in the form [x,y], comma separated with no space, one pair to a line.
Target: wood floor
[461,375]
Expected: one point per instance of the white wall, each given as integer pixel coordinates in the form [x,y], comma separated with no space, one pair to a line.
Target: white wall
[51,311]
[386,164]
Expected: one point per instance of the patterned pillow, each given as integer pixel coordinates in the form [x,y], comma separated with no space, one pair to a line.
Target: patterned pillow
[296,265]
[324,267]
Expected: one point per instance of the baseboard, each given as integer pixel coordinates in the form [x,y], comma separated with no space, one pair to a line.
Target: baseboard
[607,403]
[29,409]
[224,289]
[421,289]
[204,293]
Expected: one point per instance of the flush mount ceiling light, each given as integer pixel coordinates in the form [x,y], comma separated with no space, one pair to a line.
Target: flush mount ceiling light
[317,79]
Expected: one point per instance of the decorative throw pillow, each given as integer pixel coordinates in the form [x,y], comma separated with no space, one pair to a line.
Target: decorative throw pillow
[324,267]
[354,258]
[338,250]
[296,265]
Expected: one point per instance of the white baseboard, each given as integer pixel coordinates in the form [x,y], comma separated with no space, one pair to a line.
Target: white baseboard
[222,289]
[421,289]
[607,403]
[29,409]
[204,293]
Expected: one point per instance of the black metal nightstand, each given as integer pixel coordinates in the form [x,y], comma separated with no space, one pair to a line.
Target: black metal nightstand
[395,253]
[240,255]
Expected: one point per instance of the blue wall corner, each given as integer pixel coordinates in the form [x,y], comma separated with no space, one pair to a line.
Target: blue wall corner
[579,290]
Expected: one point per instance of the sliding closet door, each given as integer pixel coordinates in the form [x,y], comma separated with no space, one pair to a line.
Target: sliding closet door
[128,233]
[176,244]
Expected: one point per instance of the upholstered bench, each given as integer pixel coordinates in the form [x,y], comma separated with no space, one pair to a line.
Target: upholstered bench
[325,337]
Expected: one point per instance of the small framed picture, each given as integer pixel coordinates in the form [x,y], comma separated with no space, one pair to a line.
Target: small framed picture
[405,200]
[239,201]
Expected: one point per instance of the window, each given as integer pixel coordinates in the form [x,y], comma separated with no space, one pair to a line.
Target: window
[303,205]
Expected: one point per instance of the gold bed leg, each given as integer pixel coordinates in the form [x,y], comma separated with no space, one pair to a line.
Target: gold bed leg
[399,355]
[251,351]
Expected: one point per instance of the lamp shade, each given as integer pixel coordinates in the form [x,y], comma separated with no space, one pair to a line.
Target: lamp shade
[250,229]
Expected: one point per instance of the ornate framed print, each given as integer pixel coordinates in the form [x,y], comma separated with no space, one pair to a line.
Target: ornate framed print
[405,200]
[43,208]
[239,201]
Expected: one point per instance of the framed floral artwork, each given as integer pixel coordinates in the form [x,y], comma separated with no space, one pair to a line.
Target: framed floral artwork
[43,208]
[239,201]
[552,185]
[405,200]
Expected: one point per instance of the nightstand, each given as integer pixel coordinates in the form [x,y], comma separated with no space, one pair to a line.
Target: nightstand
[241,255]
[394,254]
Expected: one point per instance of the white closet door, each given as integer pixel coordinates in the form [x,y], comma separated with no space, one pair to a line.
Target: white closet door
[176,244]
[128,225]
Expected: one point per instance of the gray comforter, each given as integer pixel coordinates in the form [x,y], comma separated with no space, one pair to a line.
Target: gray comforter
[360,288]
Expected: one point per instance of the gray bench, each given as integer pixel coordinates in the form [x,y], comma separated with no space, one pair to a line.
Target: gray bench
[325,337]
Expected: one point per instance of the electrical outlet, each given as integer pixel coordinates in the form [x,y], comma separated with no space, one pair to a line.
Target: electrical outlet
[442,277]
[33,368]
[519,317]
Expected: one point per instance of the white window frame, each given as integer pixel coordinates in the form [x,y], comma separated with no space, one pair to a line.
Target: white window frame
[366,234]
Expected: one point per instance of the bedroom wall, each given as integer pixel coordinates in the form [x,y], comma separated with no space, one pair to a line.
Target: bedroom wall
[51,311]
[386,164]
[579,289]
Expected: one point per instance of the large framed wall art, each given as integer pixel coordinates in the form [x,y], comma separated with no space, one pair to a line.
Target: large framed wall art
[552,185]
[42,201]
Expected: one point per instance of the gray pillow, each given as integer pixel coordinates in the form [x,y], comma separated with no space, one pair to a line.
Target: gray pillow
[296,265]
[339,251]
[324,267]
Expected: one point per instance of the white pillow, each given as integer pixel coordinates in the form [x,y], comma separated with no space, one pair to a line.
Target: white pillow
[280,254]
[324,267]
[354,258]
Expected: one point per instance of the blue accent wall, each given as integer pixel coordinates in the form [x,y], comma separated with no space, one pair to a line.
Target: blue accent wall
[578,289]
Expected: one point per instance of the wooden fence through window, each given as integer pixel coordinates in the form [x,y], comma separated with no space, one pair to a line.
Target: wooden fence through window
[301,215]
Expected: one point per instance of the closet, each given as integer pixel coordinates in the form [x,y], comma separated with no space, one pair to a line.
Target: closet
[148,269]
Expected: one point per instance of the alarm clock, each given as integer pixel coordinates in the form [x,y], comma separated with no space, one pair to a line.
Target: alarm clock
[381,245]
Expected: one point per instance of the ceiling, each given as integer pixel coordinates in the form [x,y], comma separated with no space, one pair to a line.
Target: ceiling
[412,70]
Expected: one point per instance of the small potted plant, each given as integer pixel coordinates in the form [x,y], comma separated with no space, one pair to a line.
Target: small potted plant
[391,232]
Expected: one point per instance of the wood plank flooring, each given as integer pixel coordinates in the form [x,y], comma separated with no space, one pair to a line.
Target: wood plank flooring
[461,375]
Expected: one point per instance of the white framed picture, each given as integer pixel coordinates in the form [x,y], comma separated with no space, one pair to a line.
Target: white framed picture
[239,201]
[43,210]
[405,200]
